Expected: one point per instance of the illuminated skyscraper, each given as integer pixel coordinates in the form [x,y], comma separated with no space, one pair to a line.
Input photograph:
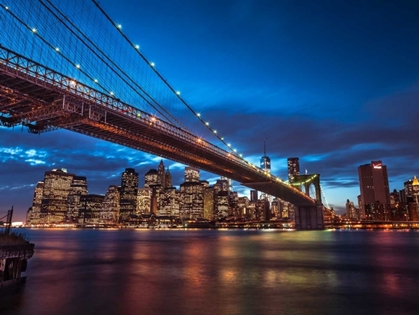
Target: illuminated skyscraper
[161,174]
[111,205]
[128,193]
[151,178]
[221,198]
[34,212]
[191,174]
[411,190]
[253,195]
[265,162]
[292,168]
[78,188]
[91,210]
[168,179]
[57,185]
[374,186]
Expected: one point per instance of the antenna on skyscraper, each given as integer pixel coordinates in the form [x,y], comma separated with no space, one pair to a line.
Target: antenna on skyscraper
[264,148]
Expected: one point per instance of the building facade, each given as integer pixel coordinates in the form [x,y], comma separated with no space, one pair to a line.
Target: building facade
[374,188]
[128,193]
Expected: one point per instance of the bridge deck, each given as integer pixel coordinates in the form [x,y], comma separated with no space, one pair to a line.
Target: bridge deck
[43,100]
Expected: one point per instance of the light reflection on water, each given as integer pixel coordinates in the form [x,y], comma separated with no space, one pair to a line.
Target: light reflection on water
[220,272]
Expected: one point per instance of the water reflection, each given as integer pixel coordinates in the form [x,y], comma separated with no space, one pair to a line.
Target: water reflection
[214,272]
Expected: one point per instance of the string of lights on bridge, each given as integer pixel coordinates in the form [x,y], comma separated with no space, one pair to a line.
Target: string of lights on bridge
[152,65]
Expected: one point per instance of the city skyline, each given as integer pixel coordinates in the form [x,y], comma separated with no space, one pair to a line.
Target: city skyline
[336,97]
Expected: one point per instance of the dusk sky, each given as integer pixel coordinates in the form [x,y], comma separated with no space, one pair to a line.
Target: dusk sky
[335,83]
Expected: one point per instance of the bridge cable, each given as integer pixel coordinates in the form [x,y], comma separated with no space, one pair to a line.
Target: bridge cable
[51,46]
[197,115]
[113,63]
[323,194]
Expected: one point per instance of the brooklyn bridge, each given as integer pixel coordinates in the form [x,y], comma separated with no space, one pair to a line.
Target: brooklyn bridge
[59,71]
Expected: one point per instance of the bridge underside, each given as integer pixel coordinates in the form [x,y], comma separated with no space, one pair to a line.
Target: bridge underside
[42,100]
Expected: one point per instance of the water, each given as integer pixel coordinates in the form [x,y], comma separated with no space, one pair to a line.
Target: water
[220,272]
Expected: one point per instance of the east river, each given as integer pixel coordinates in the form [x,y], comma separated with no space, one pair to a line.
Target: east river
[220,272]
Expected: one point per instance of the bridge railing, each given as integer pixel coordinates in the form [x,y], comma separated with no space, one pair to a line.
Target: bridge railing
[40,75]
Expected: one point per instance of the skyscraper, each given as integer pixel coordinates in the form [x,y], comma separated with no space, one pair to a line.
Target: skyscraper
[78,188]
[168,179]
[292,168]
[56,189]
[128,193]
[151,178]
[191,174]
[161,174]
[265,162]
[34,212]
[111,205]
[374,186]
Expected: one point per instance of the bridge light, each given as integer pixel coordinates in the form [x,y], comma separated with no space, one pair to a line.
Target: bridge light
[152,64]
[119,26]
[137,47]
[138,114]
[153,119]
[34,30]
[222,138]
[214,131]
[234,150]
[78,66]
[7,8]
[57,49]
[198,114]
[112,93]
[207,123]
[96,80]
[228,144]
[198,140]
[240,154]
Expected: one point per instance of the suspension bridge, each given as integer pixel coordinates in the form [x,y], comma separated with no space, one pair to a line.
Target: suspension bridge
[57,70]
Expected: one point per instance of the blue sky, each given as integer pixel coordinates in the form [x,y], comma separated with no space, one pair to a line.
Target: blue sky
[334,83]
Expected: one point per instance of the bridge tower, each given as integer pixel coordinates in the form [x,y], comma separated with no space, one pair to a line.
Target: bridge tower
[309,217]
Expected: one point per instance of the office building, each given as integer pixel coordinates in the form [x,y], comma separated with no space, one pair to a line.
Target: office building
[292,168]
[265,165]
[57,186]
[111,205]
[34,212]
[128,193]
[78,188]
[191,174]
[374,187]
